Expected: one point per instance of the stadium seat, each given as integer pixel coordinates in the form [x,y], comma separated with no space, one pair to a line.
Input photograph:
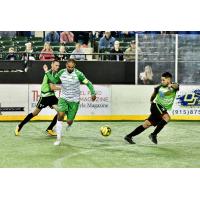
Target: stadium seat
[55,44]
[120,39]
[20,38]
[6,43]
[124,44]
[123,48]
[70,44]
[128,39]
[56,48]
[21,48]
[5,48]
[70,48]
[35,39]
[38,43]
[20,43]
[5,38]
[38,48]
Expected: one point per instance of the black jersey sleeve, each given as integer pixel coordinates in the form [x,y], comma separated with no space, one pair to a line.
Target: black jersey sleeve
[153,96]
[156,89]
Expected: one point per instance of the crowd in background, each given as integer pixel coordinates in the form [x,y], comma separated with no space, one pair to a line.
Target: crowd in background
[106,44]
[101,41]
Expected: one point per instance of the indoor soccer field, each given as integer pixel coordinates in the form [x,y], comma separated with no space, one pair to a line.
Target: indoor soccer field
[83,146]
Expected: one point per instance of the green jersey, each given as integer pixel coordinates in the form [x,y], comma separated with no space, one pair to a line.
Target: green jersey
[45,88]
[165,96]
[70,87]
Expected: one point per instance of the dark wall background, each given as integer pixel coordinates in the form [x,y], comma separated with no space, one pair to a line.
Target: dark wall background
[98,72]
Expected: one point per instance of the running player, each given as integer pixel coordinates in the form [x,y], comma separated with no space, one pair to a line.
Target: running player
[47,98]
[70,93]
[161,101]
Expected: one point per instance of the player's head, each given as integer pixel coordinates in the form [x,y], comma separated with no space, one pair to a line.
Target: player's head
[70,65]
[55,65]
[166,79]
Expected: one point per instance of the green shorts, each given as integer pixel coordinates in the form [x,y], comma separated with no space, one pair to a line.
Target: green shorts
[69,108]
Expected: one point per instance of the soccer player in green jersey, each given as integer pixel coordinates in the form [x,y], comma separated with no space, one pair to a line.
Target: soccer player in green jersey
[161,101]
[47,98]
[68,103]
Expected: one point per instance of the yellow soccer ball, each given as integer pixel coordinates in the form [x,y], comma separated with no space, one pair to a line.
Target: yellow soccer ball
[105,131]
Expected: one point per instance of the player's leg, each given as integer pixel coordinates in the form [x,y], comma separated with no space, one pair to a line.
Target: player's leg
[53,101]
[60,119]
[50,130]
[42,103]
[71,113]
[62,108]
[164,120]
[137,131]
[26,120]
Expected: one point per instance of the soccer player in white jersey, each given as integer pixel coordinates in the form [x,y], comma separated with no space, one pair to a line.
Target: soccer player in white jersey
[68,103]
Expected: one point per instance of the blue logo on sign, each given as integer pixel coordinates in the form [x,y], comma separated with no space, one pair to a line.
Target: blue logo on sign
[190,99]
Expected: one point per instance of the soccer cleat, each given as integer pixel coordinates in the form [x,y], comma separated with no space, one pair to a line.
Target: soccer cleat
[17,133]
[57,142]
[153,138]
[51,132]
[129,139]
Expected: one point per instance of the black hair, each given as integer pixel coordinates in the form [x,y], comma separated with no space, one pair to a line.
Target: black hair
[167,75]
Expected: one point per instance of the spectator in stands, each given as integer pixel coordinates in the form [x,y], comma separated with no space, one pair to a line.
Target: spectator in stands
[66,36]
[62,53]
[126,34]
[147,75]
[95,34]
[116,49]
[78,53]
[82,37]
[129,54]
[107,41]
[11,54]
[52,36]
[47,52]
[10,34]
[23,33]
[28,54]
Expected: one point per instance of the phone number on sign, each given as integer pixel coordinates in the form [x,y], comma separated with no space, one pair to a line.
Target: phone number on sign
[186,112]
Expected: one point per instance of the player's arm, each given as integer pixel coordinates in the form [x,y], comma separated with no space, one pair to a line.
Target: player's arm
[54,87]
[54,79]
[85,81]
[174,86]
[153,96]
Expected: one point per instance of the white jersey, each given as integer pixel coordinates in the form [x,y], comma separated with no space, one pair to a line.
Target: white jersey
[70,88]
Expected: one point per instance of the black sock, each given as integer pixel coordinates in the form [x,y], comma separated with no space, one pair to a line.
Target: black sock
[53,123]
[137,131]
[159,127]
[26,119]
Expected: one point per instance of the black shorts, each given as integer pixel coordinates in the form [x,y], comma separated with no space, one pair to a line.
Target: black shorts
[157,111]
[47,101]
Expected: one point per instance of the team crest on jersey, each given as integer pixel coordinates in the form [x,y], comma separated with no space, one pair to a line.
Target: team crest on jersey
[165,92]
